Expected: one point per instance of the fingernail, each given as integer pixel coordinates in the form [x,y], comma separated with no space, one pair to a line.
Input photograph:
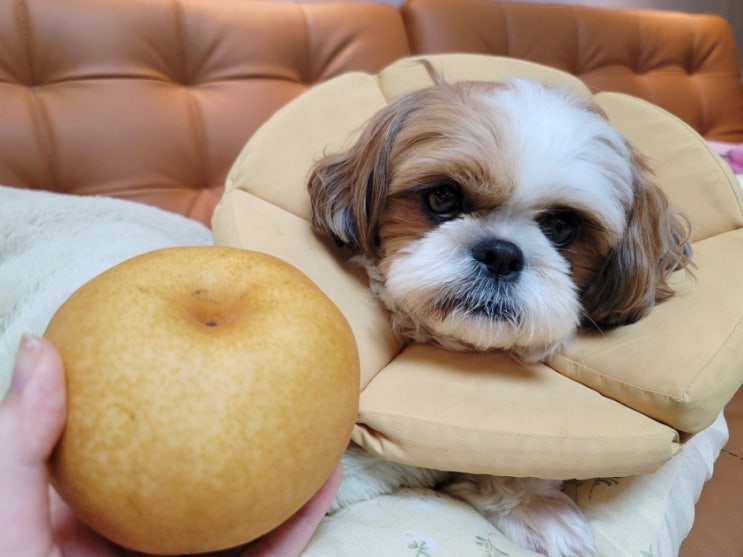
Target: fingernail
[25,363]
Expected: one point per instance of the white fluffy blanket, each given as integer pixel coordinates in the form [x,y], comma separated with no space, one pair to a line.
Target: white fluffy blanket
[52,244]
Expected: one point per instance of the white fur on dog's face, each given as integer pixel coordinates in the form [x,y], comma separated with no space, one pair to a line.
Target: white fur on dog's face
[435,280]
[486,214]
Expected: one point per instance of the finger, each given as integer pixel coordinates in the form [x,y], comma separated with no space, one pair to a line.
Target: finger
[73,537]
[35,405]
[290,538]
[32,416]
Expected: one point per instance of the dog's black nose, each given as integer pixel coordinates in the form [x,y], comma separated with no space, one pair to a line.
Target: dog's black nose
[503,259]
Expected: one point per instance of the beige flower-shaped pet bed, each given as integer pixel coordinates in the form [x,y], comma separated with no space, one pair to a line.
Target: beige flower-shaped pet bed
[612,404]
[620,398]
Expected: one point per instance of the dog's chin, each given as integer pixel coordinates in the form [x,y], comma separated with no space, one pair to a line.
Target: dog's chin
[487,330]
[530,330]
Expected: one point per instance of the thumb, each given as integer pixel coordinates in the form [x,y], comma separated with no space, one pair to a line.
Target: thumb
[32,416]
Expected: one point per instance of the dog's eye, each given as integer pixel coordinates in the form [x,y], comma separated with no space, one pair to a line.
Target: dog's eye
[444,201]
[561,227]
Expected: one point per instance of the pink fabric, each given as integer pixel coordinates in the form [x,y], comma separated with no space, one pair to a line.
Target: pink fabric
[732,153]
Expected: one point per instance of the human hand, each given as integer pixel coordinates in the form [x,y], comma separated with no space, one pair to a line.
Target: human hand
[36,522]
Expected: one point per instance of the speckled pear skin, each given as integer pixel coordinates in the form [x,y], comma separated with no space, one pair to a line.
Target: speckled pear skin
[211,392]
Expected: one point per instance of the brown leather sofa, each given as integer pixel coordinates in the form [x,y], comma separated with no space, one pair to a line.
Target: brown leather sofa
[151,100]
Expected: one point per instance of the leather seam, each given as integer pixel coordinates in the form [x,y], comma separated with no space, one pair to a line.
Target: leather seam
[309,76]
[192,109]
[40,120]
[178,16]
[22,20]
[578,34]
[733,454]
[508,25]
[702,101]
[636,58]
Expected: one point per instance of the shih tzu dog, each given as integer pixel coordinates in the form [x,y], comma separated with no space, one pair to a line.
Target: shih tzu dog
[498,216]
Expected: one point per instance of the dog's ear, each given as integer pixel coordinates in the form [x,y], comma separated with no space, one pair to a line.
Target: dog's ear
[634,277]
[348,190]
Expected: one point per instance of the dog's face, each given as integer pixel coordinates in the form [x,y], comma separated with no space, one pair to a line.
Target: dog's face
[500,216]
